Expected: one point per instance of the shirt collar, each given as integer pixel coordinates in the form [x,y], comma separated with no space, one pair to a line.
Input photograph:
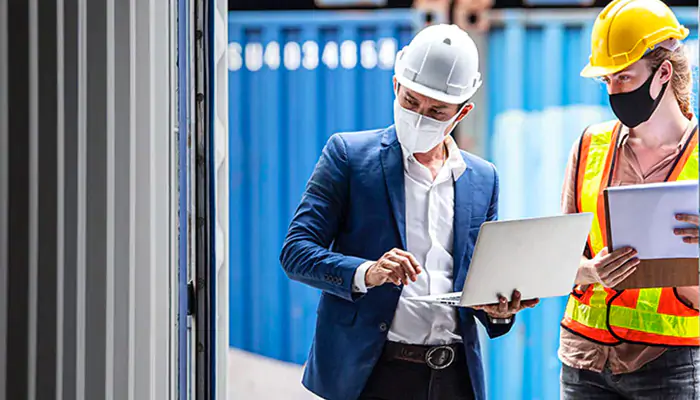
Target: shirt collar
[625,133]
[454,161]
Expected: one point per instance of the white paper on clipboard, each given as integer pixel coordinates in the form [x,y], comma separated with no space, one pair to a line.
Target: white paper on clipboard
[643,217]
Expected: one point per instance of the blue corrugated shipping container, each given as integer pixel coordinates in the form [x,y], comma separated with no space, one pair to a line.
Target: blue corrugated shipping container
[297,77]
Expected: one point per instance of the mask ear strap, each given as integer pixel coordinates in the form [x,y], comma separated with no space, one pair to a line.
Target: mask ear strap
[663,86]
[655,70]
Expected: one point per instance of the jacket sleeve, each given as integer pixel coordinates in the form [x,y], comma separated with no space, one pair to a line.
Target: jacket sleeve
[305,254]
[493,330]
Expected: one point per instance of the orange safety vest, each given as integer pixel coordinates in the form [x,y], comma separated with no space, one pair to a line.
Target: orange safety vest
[645,316]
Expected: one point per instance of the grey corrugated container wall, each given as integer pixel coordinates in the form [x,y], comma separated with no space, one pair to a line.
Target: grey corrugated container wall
[87,200]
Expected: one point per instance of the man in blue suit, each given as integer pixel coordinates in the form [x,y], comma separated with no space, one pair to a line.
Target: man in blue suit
[391,214]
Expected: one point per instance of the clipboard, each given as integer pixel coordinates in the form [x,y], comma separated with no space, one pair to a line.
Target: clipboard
[655,273]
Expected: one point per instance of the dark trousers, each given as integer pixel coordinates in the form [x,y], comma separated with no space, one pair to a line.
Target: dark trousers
[675,375]
[395,379]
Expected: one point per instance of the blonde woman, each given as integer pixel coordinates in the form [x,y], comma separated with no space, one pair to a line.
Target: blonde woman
[632,344]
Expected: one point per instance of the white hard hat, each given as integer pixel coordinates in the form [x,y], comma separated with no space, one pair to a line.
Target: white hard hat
[442,63]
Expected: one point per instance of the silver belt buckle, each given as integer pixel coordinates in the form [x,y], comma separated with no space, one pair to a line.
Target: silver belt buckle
[440,357]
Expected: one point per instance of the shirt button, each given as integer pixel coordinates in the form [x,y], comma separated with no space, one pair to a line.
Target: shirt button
[383,327]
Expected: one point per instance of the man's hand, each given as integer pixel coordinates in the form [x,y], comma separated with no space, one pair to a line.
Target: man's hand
[506,310]
[396,266]
[690,235]
[608,269]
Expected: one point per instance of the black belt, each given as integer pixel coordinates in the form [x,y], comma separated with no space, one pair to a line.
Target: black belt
[436,357]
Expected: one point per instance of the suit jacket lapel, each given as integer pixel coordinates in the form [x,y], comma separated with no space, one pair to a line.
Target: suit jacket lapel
[464,190]
[392,164]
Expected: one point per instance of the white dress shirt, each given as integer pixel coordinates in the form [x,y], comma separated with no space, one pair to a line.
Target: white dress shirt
[429,235]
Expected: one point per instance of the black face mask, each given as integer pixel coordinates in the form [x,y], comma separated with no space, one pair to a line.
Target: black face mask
[633,108]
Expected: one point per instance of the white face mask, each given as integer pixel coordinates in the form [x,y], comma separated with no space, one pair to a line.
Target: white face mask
[418,133]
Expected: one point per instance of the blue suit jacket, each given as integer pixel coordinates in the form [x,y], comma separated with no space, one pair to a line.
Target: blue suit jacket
[352,211]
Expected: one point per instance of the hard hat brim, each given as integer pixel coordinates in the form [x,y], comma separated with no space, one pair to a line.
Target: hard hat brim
[590,71]
[435,94]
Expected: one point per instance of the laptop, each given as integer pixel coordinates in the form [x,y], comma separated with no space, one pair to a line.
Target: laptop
[537,256]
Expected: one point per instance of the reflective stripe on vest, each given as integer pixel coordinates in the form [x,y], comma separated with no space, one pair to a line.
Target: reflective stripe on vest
[605,315]
[643,318]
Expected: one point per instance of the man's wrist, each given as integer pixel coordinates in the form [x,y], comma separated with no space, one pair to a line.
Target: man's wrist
[367,284]
[500,320]
[359,280]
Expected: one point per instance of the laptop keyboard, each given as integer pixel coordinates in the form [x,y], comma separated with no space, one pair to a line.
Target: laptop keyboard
[452,298]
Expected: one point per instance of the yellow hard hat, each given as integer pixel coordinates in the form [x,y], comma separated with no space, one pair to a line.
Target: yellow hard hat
[625,30]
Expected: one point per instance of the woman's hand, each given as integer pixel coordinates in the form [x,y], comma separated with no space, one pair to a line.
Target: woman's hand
[690,235]
[608,269]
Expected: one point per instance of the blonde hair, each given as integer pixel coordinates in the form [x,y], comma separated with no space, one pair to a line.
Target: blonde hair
[682,79]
